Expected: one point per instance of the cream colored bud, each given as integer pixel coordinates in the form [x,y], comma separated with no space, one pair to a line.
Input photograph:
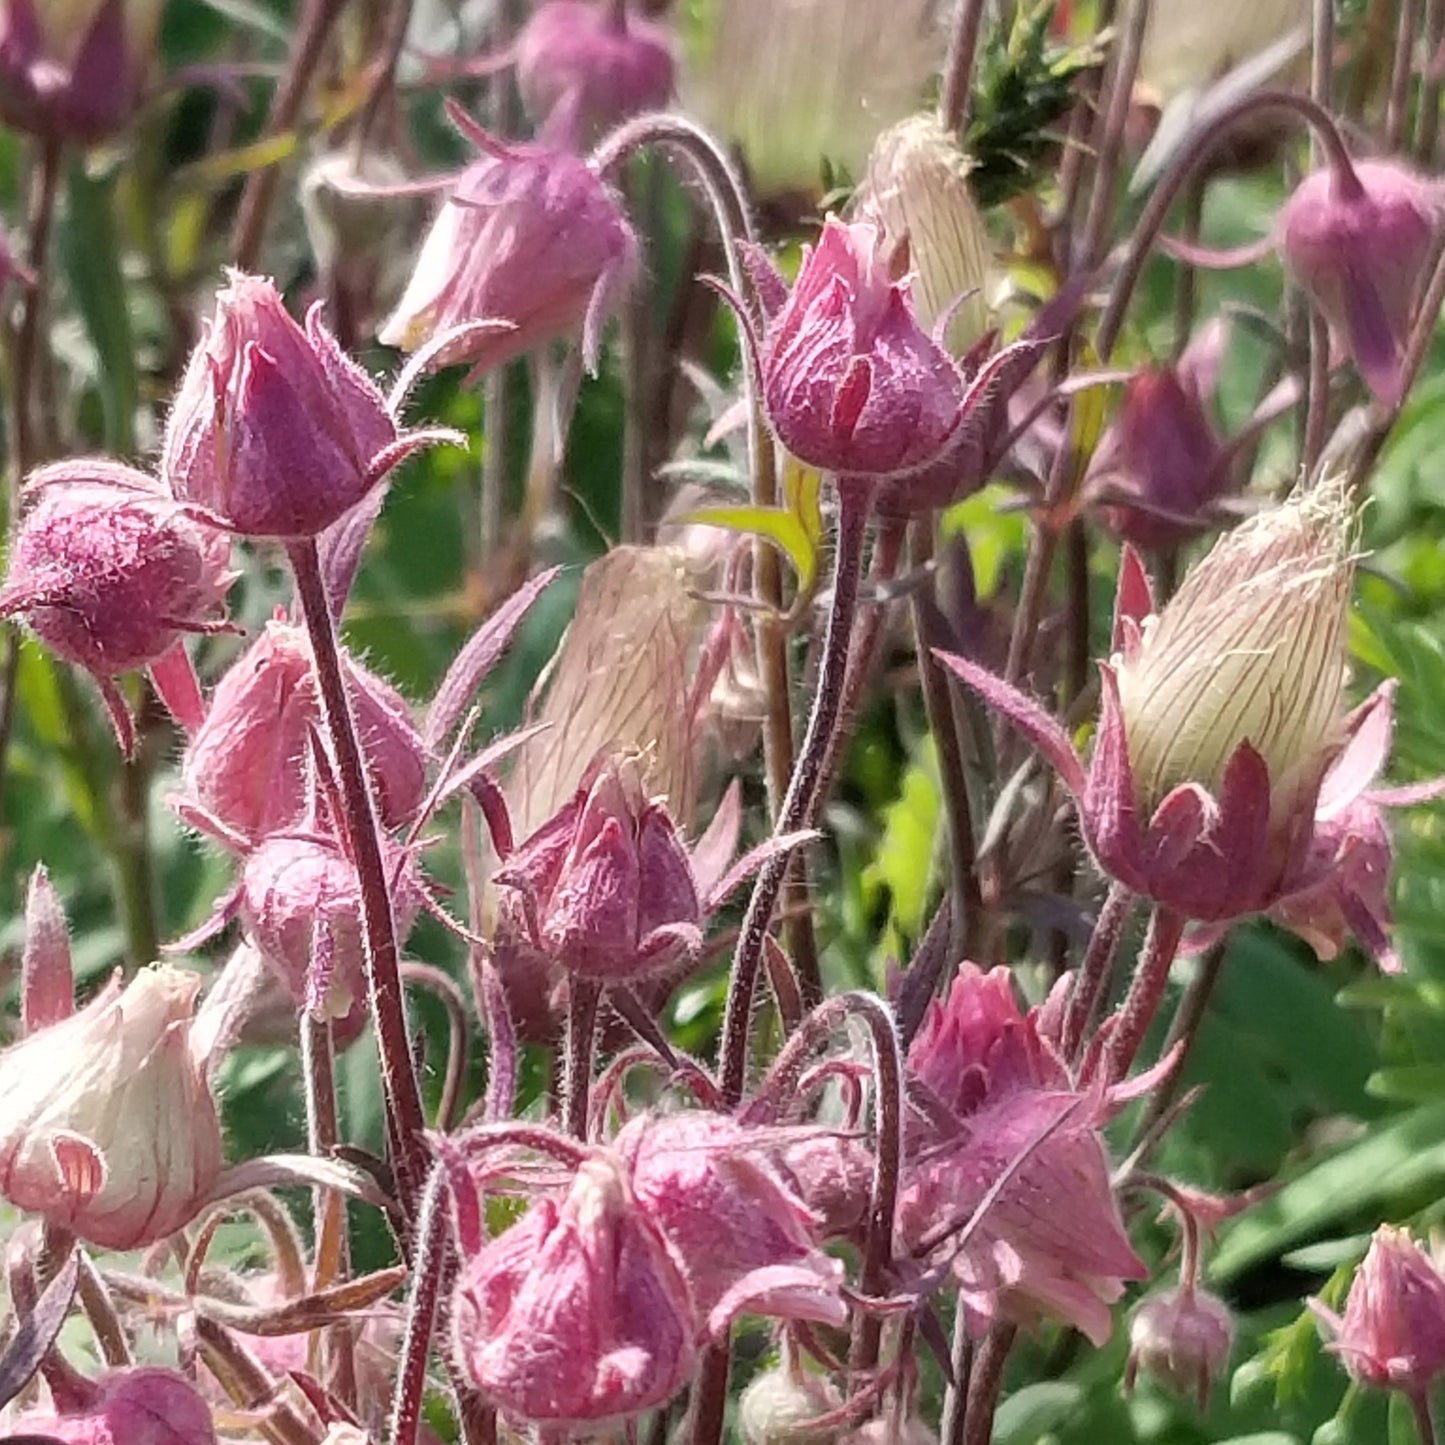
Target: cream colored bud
[780,1405]
[1250,649]
[916,189]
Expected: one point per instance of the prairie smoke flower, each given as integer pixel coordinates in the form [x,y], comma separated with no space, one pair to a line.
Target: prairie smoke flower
[1053,1243]
[110,573]
[74,69]
[576,1316]
[275,431]
[582,68]
[1221,719]
[141,1406]
[779,1404]
[1182,1337]
[746,1243]
[529,237]
[110,1130]
[1357,237]
[246,765]
[1392,1335]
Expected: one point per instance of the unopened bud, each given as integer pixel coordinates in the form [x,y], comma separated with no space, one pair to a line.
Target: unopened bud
[779,1406]
[1182,1337]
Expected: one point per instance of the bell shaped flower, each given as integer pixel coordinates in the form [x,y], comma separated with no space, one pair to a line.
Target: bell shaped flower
[143,1405]
[1182,1337]
[110,573]
[107,1124]
[1357,236]
[1392,1334]
[1222,714]
[583,68]
[530,238]
[245,766]
[745,1241]
[275,431]
[994,1091]
[577,1317]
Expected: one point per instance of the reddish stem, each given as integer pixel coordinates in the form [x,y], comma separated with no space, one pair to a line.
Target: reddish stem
[1094,972]
[1146,992]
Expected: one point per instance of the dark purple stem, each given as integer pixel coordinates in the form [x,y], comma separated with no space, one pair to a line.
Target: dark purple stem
[1146,992]
[583,996]
[1397,109]
[958,67]
[406,1121]
[427,1271]
[1095,970]
[798,803]
[985,1381]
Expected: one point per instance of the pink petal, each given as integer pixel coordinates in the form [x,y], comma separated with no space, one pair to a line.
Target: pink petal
[712,853]
[1133,602]
[1110,813]
[1369,727]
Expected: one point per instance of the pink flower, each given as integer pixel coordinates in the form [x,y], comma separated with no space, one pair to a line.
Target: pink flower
[141,1406]
[530,237]
[1182,1337]
[275,431]
[1221,725]
[110,1130]
[582,68]
[246,765]
[1392,1335]
[577,1316]
[747,1244]
[1358,236]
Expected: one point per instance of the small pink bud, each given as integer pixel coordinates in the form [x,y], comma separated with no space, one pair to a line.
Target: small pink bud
[851,385]
[47,988]
[274,429]
[530,236]
[1358,240]
[109,1128]
[142,1406]
[246,765]
[1182,1337]
[582,69]
[577,1315]
[108,571]
[1392,1335]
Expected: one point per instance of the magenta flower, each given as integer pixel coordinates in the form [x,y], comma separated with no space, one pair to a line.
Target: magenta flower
[1182,1337]
[577,1316]
[582,68]
[1358,237]
[530,238]
[140,1406]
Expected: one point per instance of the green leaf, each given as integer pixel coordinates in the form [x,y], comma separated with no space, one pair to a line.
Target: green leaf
[1035,1410]
[1409,1083]
[775,524]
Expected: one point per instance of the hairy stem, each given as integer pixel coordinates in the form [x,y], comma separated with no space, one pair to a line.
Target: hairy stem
[958,67]
[1146,991]
[583,996]
[1093,980]
[432,1247]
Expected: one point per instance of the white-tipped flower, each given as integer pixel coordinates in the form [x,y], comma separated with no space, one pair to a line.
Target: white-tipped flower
[1249,650]
[916,189]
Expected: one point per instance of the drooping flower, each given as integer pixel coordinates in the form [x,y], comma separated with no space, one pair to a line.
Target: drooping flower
[1221,718]
[577,1316]
[275,431]
[1392,1335]
[110,573]
[109,1128]
[747,1244]
[1182,1337]
[583,68]
[1357,236]
[74,70]
[530,238]
[139,1406]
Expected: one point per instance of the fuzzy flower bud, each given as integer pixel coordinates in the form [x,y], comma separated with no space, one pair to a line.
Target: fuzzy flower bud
[142,1406]
[1392,1335]
[109,1126]
[582,68]
[530,237]
[245,766]
[1358,237]
[1248,653]
[274,429]
[1182,1337]
[779,1405]
[74,69]
[916,190]
[577,1315]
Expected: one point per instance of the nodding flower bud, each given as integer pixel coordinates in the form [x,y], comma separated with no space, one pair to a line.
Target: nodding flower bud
[1392,1335]
[74,69]
[582,68]
[1182,1337]
[109,1128]
[606,887]
[577,1315]
[916,190]
[274,430]
[246,765]
[851,384]
[1358,236]
[140,1406]
[529,237]
[780,1404]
